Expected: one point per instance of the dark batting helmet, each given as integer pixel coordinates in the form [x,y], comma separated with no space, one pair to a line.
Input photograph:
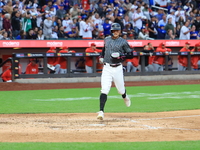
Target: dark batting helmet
[115,26]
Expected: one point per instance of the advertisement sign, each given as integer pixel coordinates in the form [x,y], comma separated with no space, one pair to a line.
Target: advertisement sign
[86,43]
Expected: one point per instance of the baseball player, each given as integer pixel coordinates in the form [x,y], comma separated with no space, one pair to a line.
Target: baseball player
[195,58]
[52,61]
[132,64]
[182,60]
[146,50]
[62,61]
[159,61]
[32,67]
[88,60]
[7,75]
[113,69]
[151,58]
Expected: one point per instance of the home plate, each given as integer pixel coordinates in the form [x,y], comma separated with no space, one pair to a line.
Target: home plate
[97,125]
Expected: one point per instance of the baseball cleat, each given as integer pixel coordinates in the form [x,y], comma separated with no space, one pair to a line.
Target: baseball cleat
[127,101]
[100,115]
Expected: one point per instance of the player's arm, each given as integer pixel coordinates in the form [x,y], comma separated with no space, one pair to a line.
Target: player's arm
[128,51]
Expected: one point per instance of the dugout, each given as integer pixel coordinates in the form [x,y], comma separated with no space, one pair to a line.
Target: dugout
[9,47]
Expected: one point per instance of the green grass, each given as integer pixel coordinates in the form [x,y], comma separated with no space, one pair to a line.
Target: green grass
[177,145]
[168,98]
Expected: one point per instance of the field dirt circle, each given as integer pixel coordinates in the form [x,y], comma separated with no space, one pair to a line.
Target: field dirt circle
[84,127]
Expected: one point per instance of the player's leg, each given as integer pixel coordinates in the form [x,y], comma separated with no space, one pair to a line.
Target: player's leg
[150,68]
[106,82]
[129,66]
[181,68]
[88,69]
[57,69]
[134,69]
[118,78]
[156,67]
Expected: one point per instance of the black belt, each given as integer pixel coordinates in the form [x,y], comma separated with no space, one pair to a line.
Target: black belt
[113,65]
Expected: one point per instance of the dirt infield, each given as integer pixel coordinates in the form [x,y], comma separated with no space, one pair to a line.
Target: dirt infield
[117,127]
[84,127]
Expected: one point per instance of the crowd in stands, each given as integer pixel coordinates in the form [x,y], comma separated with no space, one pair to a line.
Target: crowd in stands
[92,19]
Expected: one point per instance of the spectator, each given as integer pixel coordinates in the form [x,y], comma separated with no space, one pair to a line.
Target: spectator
[39,16]
[48,6]
[137,20]
[88,60]
[54,33]
[22,35]
[159,61]
[61,33]
[181,21]
[146,11]
[1,20]
[9,7]
[170,26]
[161,32]
[4,10]
[73,33]
[40,35]
[144,34]
[183,60]
[97,21]
[87,28]
[30,34]
[81,24]
[161,3]
[172,16]
[106,27]
[67,24]
[131,36]
[5,36]
[101,36]
[194,33]
[160,14]
[7,23]
[74,11]
[152,27]
[180,13]
[185,31]
[27,22]
[163,21]
[178,30]
[170,35]
[197,22]
[119,20]
[60,12]
[32,67]
[16,24]
[47,27]
[100,10]
[34,21]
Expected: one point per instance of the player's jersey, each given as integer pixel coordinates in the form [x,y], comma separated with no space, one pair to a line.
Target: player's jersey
[119,45]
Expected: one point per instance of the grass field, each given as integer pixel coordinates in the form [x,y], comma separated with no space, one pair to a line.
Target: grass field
[144,99]
[176,145]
